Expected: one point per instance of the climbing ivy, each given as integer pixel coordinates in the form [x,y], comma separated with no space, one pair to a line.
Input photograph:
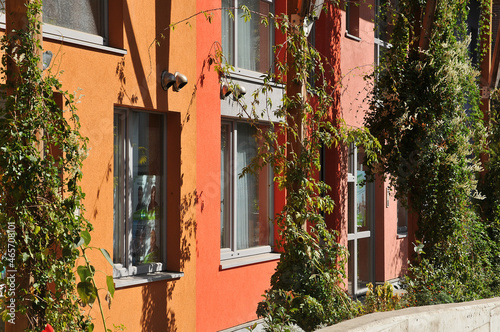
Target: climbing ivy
[425,112]
[41,213]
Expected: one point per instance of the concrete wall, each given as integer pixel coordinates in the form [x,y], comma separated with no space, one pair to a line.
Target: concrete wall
[481,315]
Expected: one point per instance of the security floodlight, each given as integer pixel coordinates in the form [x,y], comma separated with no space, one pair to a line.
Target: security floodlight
[238,92]
[224,90]
[176,81]
[315,9]
[167,80]
[180,81]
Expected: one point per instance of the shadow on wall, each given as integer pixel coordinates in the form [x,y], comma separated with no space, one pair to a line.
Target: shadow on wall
[155,314]
[158,314]
[122,93]
[157,311]
[135,55]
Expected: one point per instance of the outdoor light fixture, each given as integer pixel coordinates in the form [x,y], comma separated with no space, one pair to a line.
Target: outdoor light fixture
[177,80]
[224,90]
[238,92]
[312,8]
[308,11]
[46,59]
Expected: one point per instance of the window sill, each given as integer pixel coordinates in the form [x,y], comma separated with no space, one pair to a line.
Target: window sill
[54,35]
[402,235]
[248,260]
[146,278]
[353,37]
[78,42]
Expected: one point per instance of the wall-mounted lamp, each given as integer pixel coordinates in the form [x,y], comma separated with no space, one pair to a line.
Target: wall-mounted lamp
[224,90]
[176,80]
[46,59]
[238,92]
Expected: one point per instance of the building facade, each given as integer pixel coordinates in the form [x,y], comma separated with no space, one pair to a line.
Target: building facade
[193,248]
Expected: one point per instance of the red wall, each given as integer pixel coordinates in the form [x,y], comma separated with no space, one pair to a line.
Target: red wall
[224,298]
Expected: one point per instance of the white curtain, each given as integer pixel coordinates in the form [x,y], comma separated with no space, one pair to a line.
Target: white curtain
[246,188]
[228,32]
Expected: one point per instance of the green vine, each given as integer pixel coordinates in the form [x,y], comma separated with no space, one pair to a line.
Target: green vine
[425,112]
[41,156]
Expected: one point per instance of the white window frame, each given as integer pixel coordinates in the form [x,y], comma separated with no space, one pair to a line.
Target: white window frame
[232,252]
[126,268]
[246,72]
[354,236]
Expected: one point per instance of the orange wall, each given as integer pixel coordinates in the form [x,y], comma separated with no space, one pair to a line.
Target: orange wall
[106,80]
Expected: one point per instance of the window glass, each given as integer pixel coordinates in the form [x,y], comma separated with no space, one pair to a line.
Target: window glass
[228,32]
[364,262]
[248,225]
[253,40]
[81,15]
[360,215]
[402,219]
[139,208]
[225,201]
[119,189]
[352,17]
[364,204]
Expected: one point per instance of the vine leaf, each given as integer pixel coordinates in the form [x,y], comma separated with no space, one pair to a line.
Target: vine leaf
[85,235]
[106,255]
[87,292]
[83,273]
[111,285]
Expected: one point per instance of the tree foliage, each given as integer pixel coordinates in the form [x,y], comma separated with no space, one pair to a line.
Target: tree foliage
[425,112]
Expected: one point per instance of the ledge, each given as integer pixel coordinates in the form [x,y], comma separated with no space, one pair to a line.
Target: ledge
[68,36]
[353,37]
[248,260]
[402,235]
[146,278]
[480,315]
[90,45]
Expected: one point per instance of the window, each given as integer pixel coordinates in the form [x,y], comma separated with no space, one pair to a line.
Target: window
[73,20]
[139,214]
[352,18]
[247,45]
[402,220]
[383,29]
[360,215]
[76,19]
[246,222]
